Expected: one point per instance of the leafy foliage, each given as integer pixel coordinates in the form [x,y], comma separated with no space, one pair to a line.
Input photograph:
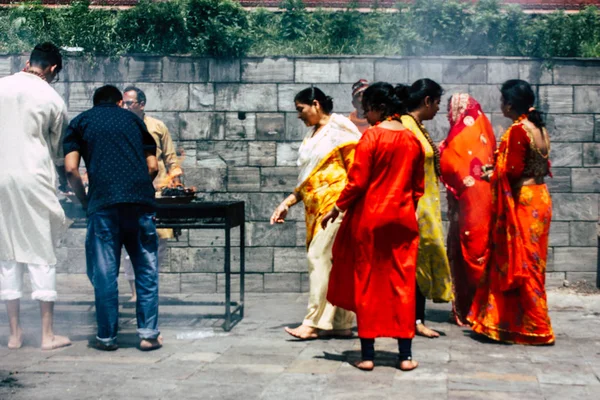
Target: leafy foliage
[153,27]
[222,28]
[218,27]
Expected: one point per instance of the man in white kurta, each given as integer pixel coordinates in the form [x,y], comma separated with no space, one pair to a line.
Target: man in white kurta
[33,118]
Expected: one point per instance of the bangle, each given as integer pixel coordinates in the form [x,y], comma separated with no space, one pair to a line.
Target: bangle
[337,208]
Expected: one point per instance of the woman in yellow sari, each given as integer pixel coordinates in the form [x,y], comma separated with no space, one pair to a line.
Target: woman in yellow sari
[324,159]
[433,269]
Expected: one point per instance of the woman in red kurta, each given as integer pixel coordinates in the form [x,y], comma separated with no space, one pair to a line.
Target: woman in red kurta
[510,303]
[470,145]
[375,251]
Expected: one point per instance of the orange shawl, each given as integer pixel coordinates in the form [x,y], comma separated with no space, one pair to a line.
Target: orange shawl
[470,145]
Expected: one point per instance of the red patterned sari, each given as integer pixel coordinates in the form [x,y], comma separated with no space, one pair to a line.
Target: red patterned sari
[510,303]
[470,145]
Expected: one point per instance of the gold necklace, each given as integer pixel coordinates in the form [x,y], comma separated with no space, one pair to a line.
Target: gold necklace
[436,151]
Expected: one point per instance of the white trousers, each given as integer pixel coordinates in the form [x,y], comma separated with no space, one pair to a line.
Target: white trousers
[43,281]
[128,266]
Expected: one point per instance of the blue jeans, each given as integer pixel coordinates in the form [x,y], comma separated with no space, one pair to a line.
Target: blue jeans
[109,229]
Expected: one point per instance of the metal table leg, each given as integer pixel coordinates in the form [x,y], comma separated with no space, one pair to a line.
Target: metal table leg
[242,266]
[227,325]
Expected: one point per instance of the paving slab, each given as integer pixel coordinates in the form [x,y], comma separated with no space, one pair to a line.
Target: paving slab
[258,360]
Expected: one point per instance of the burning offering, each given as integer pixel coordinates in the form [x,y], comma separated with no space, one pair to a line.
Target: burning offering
[178,194]
[173,191]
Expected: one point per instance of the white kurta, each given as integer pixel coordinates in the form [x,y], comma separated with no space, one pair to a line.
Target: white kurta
[33,118]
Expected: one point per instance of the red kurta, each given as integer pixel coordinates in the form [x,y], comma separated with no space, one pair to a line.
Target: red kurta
[375,251]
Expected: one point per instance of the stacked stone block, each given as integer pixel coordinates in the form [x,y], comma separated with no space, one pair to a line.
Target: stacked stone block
[235,123]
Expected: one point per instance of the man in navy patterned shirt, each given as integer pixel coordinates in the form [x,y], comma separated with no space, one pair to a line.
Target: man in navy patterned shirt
[120,156]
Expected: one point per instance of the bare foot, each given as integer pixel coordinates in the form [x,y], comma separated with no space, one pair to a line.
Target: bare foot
[151,344]
[364,365]
[408,365]
[16,341]
[56,342]
[303,332]
[340,333]
[422,330]
[456,319]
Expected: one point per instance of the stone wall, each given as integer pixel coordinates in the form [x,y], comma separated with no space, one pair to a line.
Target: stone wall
[236,123]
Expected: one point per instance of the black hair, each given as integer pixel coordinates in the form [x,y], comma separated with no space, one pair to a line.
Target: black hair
[141,96]
[107,94]
[384,94]
[520,96]
[413,97]
[418,91]
[308,95]
[45,55]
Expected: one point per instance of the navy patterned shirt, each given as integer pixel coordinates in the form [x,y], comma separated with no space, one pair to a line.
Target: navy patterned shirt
[112,142]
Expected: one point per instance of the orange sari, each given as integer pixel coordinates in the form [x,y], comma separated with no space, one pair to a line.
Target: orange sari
[470,145]
[510,303]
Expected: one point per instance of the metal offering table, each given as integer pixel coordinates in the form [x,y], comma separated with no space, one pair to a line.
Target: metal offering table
[199,215]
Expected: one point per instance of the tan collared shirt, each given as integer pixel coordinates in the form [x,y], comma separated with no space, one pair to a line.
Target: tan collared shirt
[168,162]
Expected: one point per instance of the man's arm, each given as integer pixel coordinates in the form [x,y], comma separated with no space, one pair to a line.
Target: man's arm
[57,134]
[149,149]
[72,144]
[72,161]
[152,164]
[169,154]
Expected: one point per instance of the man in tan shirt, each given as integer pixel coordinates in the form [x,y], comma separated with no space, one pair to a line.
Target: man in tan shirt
[169,169]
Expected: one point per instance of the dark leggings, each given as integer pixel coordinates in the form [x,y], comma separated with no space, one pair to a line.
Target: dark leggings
[367,348]
[420,305]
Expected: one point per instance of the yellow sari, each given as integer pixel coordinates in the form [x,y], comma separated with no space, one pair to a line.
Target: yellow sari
[433,268]
[324,160]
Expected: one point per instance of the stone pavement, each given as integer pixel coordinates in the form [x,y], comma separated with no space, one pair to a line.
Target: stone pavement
[257,360]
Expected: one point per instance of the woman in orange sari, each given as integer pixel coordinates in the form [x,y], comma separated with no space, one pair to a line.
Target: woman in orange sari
[510,303]
[470,145]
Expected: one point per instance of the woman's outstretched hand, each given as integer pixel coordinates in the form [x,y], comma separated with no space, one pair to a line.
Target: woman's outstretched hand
[279,214]
[331,215]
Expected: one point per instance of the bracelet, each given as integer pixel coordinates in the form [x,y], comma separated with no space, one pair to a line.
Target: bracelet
[337,208]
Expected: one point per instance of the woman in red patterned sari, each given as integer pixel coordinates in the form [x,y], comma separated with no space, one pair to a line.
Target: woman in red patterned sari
[470,145]
[510,303]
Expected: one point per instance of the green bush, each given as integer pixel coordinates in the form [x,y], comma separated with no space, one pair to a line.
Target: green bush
[222,28]
[294,20]
[153,27]
[26,25]
[218,28]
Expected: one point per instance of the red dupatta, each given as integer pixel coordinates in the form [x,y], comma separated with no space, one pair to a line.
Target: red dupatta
[470,144]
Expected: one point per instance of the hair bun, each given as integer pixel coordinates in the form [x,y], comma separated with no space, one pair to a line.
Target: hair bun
[402,91]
